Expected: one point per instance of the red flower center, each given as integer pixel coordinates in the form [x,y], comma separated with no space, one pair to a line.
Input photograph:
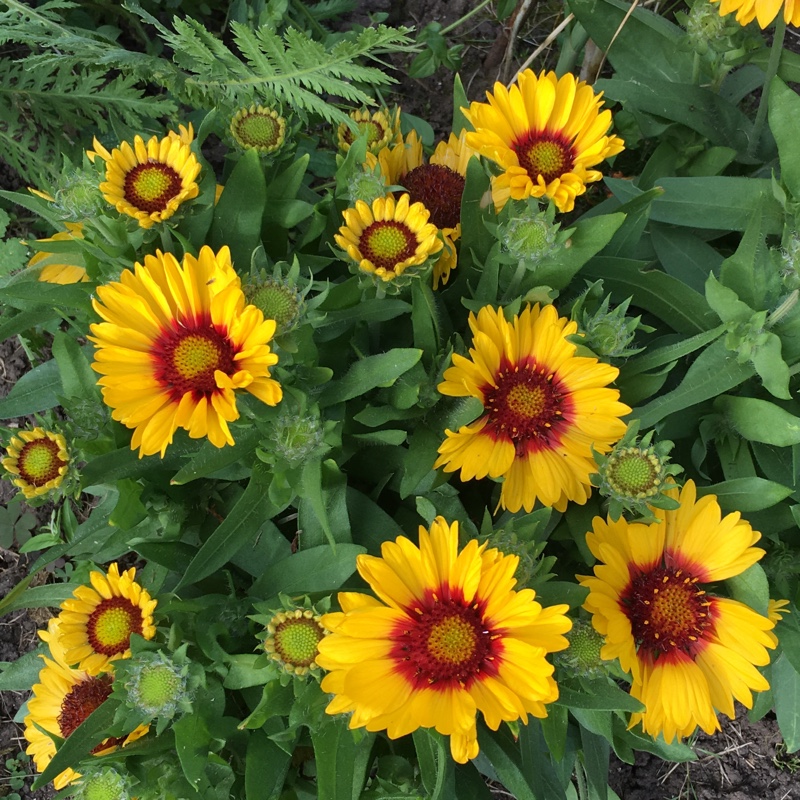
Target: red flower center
[545,154]
[111,624]
[188,354]
[387,244]
[38,462]
[444,643]
[669,614]
[80,701]
[439,189]
[149,187]
[527,407]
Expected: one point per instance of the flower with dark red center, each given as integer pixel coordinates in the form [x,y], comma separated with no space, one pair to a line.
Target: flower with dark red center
[38,460]
[149,180]
[96,624]
[438,185]
[388,238]
[61,701]
[545,133]
[689,653]
[449,637]
[177,341]
[258,128]
[381,128]
[544,409]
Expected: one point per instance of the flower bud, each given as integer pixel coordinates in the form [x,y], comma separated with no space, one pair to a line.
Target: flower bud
[258,128]
[293,638]
[156,686]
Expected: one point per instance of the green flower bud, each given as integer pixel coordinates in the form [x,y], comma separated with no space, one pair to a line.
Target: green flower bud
[609,333]
[258,128]
[77,197]
[293,638]
[278,300]
[366,186]
[582,658]
[156,686]
[103,783]
[704,26]
[529,237]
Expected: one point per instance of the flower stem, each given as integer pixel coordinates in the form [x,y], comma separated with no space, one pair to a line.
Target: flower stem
[772,71]
[466,16]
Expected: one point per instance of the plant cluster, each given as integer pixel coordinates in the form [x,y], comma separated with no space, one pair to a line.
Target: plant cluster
[383,467]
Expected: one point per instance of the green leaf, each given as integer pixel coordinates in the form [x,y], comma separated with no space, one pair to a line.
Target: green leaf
[20,675]
[717,202]
[683,309]
[714,372]
[726,303]
[265,768]
[78,379]
[504,756]
[598,694]
[746,494]
[590,237]
[237,216]
[459,101]
[241,524]
[323,487]
[435,764]
[282,190]
[425,321]
[649,46]
[554,729]
[192,741]
[369,373]
[784,111]
[342,758]
[24,321]
[476,208]
[596,753]
[50,295]
[751,587]
[37,390]
[786,691]
[243,672]
[771,368]
[80,742]
[318,569]
[210,458]
[788,633]
[50,596]
[698,108]
[759,420]
[661,356]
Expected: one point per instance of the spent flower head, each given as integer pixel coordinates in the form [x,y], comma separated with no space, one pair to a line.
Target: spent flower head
[633,476]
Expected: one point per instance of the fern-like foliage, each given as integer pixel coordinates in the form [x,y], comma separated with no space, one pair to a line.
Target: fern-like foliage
[45,109]
[290,68]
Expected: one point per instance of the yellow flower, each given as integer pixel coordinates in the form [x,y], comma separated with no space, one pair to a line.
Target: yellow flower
[60,273]
[775,612]
[382,127]
[149,181]
[545,133]
[438,185]
[388,238]
[96,623]
[545,409]
[258,128]
[61,701]
[38,460]
[176,342]
[763,11]
[449,637]
[689,653]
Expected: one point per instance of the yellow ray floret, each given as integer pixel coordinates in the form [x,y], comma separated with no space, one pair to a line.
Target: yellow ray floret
[449,637]
[545,133]
[690,654]
[544,409]
[178,340]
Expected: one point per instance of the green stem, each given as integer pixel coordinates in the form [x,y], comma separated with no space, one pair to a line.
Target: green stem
[516,280]
[466,16]
[696,68]
[772,71]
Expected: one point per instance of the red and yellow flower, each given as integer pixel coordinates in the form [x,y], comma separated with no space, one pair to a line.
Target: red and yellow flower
[96,624]
[177,341]
[545,133]
[53,270]
[544,409]
[448,637]
[763,11]
[62,700]
[438,185]
[150,180]
[690,654]
[382,127]
[38,460]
